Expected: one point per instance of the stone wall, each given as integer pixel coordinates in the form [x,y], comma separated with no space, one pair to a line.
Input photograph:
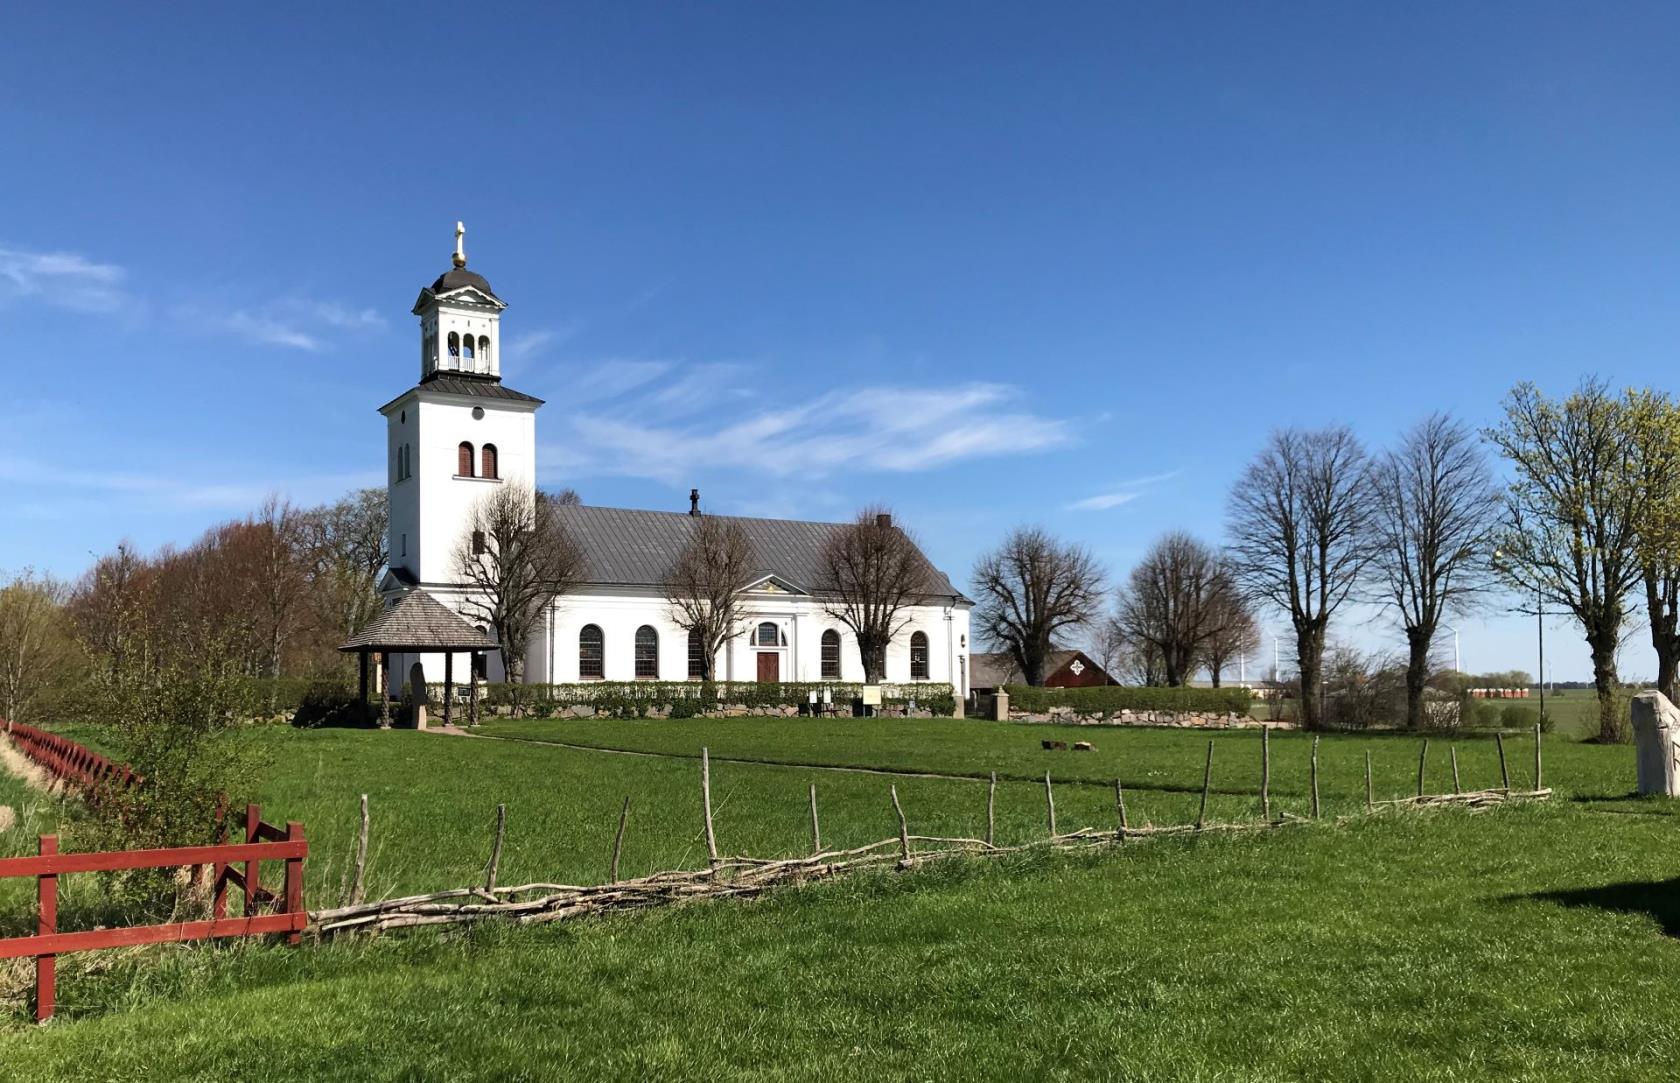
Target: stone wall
[1066,716]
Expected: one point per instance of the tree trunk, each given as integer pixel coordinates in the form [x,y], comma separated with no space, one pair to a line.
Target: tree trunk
[1663,615]
[1213,672]
[1603,646]
[1309,657]
[1417,673]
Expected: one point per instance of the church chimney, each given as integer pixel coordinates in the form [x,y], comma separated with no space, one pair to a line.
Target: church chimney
[694,502]
[883,520]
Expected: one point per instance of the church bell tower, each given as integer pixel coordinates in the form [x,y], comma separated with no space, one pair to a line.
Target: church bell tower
[455,435]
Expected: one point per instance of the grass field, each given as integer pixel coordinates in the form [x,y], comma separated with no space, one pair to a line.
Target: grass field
[1534,942]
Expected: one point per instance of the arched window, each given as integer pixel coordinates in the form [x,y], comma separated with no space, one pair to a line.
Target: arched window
[467,347]
[490,464]
[918,656]
[696,655]
[484,350]
[647,653]
[464,460]
[831,655]
[454,350]
[768,635]
[592,653]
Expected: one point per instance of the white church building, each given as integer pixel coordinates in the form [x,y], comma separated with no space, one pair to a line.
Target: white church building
[460,431]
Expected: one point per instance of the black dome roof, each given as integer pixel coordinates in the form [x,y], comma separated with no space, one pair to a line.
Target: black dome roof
[457,277]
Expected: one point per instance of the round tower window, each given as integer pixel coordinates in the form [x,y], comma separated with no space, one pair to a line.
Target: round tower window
[478,413]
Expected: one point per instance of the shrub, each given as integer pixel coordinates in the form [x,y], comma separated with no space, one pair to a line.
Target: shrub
[692,699]
[1120,698]
[1517,716]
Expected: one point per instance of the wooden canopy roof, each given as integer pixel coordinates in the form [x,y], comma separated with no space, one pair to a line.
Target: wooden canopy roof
[419,624]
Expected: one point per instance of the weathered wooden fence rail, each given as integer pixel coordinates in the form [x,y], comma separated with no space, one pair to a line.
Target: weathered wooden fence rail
[264,912]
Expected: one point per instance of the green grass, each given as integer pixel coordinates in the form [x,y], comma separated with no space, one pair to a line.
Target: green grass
[1531,942]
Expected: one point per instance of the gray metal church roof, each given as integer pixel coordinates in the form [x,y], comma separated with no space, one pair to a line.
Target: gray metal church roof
[630,547]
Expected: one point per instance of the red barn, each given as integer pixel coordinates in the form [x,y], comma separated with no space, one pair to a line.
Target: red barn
[1063,669]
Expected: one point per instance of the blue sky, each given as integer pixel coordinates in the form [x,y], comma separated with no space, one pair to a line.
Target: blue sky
[1062,264]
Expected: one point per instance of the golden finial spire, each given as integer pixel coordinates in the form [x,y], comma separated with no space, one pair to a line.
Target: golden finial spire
[460,241]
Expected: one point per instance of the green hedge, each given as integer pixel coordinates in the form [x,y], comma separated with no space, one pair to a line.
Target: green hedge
[1119,698]
[636,699]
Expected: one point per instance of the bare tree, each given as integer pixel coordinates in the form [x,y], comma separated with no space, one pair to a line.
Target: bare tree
[517,558]
[1176,599]
[705,583]
[1131,661]
[1570,535]
[344,546]
[1434,516]
[1298,520]
[565,498]
[278,584]
[1032,590]
[875,571]
[35,643]
[1235,633]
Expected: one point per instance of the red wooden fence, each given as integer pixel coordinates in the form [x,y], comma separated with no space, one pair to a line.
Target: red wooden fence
[67,761]
[263,842]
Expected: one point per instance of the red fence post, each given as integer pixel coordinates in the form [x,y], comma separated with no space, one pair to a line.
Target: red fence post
[294,880]
[46,966]
[253,817]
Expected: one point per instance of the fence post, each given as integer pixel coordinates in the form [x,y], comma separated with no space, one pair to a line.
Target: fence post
[253,817]
[46,924]
[218,885]
[294,880]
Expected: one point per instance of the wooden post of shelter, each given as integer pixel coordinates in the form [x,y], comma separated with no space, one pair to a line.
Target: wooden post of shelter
[448,684]
[384,690]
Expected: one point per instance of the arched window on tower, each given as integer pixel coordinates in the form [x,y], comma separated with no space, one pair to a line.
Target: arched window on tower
[831,655]
[918,656]
[647,653]
[464,460]
[484,351]
[592,653]
[696,655]
[491,463]
[467,349]
[454,350]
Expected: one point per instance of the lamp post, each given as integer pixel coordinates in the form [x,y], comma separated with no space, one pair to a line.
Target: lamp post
[1500,564]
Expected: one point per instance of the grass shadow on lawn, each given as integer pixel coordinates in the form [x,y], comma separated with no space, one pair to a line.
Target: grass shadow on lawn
[1658,900]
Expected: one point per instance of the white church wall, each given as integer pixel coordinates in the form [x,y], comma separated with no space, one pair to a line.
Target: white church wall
[447,499]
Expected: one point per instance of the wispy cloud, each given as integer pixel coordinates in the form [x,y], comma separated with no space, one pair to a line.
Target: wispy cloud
[293,323]
[891,429]
[1123,493]
[63,279]
[530,344]
[71,485]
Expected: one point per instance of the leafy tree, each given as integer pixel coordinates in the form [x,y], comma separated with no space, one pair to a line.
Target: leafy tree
[36,649]
[1570,532]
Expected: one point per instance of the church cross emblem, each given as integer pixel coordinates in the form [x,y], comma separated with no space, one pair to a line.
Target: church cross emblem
[460,259]
[1077,668]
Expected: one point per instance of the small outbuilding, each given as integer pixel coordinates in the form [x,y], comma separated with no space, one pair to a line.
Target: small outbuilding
[417,623]
[1062,669]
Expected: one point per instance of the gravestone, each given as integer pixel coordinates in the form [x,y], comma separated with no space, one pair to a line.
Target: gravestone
[1656,742]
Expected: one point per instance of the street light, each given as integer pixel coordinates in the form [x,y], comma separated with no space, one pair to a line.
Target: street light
[1500,564]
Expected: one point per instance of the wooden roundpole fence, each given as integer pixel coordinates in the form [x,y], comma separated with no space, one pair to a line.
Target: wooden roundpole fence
[1050,804]
[991,812]
[903,829]
[1207,782]
[1452,751]
[1265,771]
[1120,806]
[1504,768]
[1315,806]
[1370,796]
[816,826]
[1423,756]
[495,866]
[706,802]
[1538,784]
[358,880]
[618,840]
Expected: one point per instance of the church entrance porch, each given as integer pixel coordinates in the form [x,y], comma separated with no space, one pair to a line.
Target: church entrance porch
[769,667]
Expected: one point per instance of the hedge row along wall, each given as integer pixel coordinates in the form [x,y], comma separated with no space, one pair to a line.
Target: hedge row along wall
[1107,698]
[687,699]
